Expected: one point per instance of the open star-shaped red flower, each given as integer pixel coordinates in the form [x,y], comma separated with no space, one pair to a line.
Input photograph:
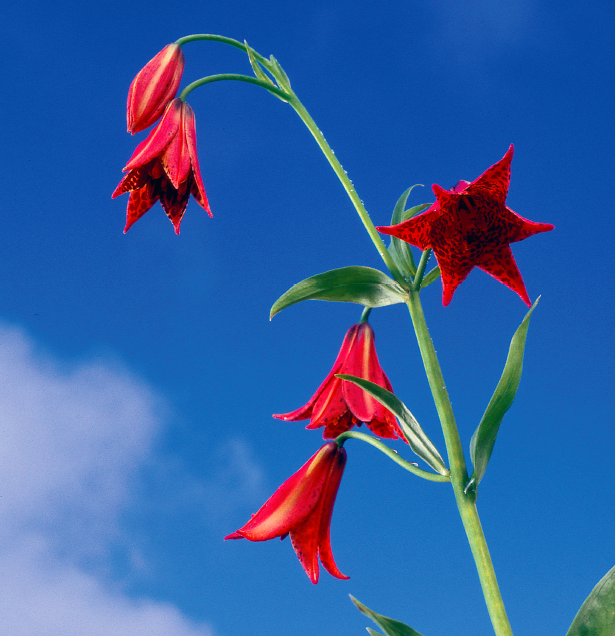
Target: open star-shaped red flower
[470,226]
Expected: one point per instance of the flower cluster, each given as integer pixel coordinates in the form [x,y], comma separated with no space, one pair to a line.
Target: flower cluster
[164,167]
[468,226]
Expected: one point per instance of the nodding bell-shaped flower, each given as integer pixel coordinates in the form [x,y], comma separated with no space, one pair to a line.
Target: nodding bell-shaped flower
[153,88]
[165,167]
[302,507]
[338,405]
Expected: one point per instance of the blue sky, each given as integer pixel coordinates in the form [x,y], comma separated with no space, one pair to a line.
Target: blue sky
[140,371]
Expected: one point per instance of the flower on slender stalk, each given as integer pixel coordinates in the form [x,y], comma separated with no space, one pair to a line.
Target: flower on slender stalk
[302,507]
[338,404]
[153,88]
[470,226]
[165,166]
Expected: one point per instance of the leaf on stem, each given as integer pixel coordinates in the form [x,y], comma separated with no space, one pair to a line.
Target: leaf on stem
[389,626]
[414,434]
[355,284]
[597,614]
[256,67]
[433,275]
[483,440]
[280,75]
[400,250]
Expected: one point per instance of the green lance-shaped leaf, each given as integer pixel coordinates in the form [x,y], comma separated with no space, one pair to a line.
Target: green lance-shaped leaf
[389,626]
[362,285]
[400,250]
[415,435]
[597,614]
[256,67]
[433,275]
[483,440]
[280,75]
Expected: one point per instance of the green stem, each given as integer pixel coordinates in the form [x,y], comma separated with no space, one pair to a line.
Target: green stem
[459,474]
[236,78]
[349,187]
[365,314]
[219,38]
[389,452]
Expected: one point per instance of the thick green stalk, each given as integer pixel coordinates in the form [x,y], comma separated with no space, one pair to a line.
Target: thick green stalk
[459,474]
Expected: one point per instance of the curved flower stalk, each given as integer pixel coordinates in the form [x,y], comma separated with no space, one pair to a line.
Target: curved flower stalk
[154,86]
[302,507]
[470,226]
[165,167]
[338,405]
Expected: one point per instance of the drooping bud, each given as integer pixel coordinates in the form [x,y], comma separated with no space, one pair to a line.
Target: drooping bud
[153,88]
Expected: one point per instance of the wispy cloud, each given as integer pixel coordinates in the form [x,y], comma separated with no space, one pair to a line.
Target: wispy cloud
[467,32]
[72,441]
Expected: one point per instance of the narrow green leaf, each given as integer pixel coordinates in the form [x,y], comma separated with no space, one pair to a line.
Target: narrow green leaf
[431,277]
[389,626]
[372,632]
[400,250]
[256,67]
[280,75]
[597,614]
[362,285]
[417,439]
[483,440]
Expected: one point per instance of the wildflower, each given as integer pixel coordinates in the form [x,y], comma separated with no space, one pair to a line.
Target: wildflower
[338,404]
[470,226]
[165,166]
[302,507]
[153,88]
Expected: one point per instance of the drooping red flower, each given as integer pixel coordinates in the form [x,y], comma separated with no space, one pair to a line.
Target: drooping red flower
[154,86]
[165,166]
[470,226]
[302,507]
[338,405]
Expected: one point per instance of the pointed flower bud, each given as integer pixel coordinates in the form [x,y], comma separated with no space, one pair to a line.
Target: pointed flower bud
[302,507]
[154,87]
[338,405]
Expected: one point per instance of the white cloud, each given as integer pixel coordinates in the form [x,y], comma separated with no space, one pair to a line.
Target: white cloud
[72,439]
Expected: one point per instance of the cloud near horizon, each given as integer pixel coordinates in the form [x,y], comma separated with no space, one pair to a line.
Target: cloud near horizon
[71,442]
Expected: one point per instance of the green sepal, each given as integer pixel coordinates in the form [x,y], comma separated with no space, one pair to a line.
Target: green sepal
[362,285]
[389,626]
[400,250]
[597,614]
[414,434]
[433,275]
[280,75]
[256,67]
[483,440]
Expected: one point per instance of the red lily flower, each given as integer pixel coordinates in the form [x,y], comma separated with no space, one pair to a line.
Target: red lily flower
[165,166]
[302,507]
[338,404]
[469,226]
[153,88]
